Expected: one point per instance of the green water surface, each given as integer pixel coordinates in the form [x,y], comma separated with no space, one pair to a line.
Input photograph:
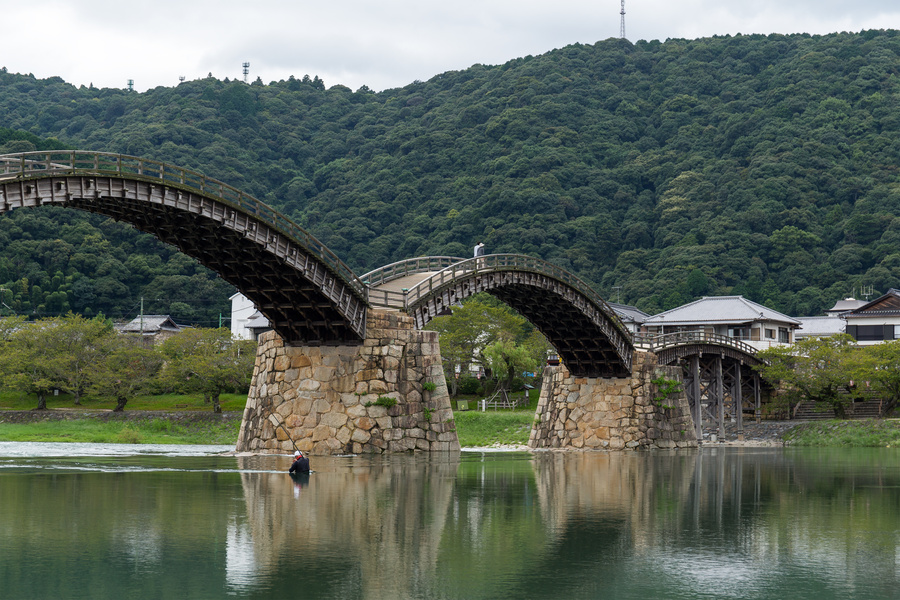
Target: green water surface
[715,523]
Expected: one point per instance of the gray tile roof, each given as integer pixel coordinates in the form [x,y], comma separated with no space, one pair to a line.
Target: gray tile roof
[719,310]
[151,324]
[628,313]
[820,326]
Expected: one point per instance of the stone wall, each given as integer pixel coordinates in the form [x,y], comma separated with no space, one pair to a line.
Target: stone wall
[324,397]
[612,414]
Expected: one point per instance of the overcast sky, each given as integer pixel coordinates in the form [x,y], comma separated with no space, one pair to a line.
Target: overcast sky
[383,44]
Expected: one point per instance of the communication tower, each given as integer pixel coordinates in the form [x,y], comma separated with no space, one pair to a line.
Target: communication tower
[181,78]
[131,85]
[246,66]
[622,27]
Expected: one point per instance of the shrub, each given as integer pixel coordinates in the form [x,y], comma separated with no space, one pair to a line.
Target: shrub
[469,386]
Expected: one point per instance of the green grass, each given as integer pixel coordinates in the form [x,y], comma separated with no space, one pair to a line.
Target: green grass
[476,428]
[166,402]
[145,431]
[870,433]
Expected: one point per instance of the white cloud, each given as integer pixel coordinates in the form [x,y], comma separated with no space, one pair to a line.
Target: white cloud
[356,42]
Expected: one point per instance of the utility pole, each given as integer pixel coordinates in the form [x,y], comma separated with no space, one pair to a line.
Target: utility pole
[142,319]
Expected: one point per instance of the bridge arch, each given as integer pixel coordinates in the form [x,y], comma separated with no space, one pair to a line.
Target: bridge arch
[587,333]
[308,294]
[718,375]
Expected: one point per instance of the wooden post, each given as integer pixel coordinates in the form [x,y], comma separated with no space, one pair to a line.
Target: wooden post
[737,397]
[695,394]
[720,398]
[756,397]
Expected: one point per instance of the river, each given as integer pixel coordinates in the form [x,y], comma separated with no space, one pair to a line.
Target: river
[88,521]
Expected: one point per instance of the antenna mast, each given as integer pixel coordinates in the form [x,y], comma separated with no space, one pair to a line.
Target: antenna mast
[246,66]
[622,27]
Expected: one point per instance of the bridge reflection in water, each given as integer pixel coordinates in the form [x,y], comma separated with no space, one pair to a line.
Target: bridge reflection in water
[710,523]
[724,523]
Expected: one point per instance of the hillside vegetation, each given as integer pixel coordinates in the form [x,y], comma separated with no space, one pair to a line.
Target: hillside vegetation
[758,165]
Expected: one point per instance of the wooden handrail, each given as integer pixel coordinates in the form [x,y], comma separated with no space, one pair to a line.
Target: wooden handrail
[654,342]
[39,165]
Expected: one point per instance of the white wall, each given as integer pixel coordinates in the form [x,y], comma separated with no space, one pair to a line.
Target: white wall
[241,310]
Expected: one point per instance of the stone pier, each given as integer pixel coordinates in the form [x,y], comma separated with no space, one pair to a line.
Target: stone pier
[613,414]
[369,398]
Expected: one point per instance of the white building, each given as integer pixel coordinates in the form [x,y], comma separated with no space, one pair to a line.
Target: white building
[731,316]
[246,322]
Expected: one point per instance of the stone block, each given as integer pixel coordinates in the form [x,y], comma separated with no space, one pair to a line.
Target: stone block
[300,360]
[383,421]
[309,385]
[323,374]
[322,432]
[343,435]
[333,419]
[377,386]
[360,436]
[365,423]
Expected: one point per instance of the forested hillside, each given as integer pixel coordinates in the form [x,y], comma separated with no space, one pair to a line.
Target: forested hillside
[758,165]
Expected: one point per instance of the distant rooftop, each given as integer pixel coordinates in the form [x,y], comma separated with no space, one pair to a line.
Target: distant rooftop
[150,324]
[722,310]
[629,314]
[820,327]
[845,305]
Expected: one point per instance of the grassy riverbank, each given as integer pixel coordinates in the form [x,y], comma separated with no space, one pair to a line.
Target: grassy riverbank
[474,428]
[164,402]
[138,431]
[871,433]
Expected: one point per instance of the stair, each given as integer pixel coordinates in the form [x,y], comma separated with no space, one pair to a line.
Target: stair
[867,409]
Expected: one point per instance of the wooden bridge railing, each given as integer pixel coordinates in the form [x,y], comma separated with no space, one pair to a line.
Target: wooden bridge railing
[410,266]
[494,263]
[39,165]
[655,342]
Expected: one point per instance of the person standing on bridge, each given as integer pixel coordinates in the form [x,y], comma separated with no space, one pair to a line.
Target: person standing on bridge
[479,251]
[300,465]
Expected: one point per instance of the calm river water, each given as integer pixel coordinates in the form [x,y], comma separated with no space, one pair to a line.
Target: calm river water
[79,521]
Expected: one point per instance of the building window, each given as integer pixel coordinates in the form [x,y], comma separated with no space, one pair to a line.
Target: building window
[784,336]
[770,334]
[739,333]
[872,333]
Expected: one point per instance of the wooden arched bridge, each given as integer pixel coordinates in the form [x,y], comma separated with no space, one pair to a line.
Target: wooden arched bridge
[718,375]
[312,298]
[308,294]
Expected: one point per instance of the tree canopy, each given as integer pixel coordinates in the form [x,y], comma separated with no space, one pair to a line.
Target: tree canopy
[749,164]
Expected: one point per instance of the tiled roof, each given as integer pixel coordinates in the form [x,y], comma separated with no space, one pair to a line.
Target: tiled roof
[886,305]
[629,313]
[151,324]
[820,326]
[719,310]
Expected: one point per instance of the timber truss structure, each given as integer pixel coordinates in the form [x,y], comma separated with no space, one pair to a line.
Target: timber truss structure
[307,294]
[587,333]
[718,375]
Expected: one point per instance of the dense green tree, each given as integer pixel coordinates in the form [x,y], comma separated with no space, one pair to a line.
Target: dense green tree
[765,162]
[128,368]
[209,361]
[814,368]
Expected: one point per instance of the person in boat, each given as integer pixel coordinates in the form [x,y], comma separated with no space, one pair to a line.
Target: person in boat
[300,464]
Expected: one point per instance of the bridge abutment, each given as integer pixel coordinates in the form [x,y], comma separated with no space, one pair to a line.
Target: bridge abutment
[340,399]
[613,413]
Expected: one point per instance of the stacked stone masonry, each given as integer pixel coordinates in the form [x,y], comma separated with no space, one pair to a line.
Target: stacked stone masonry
[612,414]
[325,399]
